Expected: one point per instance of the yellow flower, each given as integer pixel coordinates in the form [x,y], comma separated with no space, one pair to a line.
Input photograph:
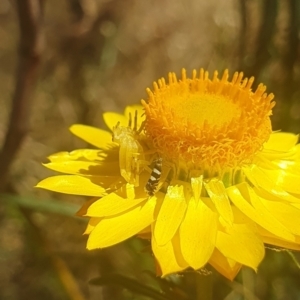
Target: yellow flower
[197,170]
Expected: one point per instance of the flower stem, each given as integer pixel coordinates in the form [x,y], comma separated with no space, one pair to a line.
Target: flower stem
[248,276]
[203,286]
[200,285]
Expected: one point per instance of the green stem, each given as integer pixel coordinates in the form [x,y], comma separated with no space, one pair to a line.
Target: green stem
[199,285]
[204,284]
[248,276]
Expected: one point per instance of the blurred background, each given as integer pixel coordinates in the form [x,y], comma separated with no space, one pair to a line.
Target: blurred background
[68,61]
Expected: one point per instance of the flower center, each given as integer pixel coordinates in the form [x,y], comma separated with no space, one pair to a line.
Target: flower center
[208,123]
[198,108]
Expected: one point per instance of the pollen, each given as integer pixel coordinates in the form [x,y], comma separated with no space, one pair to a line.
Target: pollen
[208,123]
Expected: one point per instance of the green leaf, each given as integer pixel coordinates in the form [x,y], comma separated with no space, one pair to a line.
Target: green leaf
[47,206]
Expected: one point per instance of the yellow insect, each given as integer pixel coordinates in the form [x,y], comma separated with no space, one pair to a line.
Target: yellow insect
[131,152]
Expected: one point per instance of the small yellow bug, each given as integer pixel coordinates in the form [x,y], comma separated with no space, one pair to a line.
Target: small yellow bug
[131,152]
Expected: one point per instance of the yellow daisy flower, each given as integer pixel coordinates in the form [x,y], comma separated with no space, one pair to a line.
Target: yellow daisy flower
[196,169]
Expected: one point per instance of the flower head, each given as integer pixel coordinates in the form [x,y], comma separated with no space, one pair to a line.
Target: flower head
[215,124]
[196,169]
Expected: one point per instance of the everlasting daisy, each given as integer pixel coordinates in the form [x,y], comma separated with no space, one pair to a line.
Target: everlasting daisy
[196,169]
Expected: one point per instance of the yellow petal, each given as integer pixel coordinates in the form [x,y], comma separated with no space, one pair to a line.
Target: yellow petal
[264,162]
[285,213]
[259,179]
[169,256]
[72,184]
[130,191]
[281,141]
[271,239]
[224,265]
[241,244]
[110,231]
[86,168]
[112,204]
[297,205]
[111,119]
[286,180]
[93,222]
[170,215]
[196,183]
[281,243]
[272,179]
[198,234]
[217,193]
[242,195]
[272,155]
[94,136]
[79,154]
[290,166]
[298,151]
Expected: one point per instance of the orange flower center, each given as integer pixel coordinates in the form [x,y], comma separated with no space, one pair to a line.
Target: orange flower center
[208,123]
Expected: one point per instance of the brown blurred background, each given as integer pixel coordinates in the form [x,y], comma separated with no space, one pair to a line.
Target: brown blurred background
[68,61]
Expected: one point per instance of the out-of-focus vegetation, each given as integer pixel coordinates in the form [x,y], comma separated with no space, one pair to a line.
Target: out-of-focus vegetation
[93,56]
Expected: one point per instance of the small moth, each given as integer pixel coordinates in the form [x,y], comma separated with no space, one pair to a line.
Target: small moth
[152,184]
[131,151]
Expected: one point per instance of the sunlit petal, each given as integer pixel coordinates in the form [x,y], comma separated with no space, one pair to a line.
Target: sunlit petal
[72,184]
[281,141]
[285,180]
[217,193]
[79,154]
[170,215]
[86,168]
[169,256]
[94,136]
[283,212]
[259,179]
[271,239]
[116,229]
[243,197]
[224,265]
[112,204]
[198,234]
[241,244]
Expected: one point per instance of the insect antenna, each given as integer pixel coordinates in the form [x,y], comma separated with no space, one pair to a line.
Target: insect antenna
[141,127]
[130,120]
[135,120]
